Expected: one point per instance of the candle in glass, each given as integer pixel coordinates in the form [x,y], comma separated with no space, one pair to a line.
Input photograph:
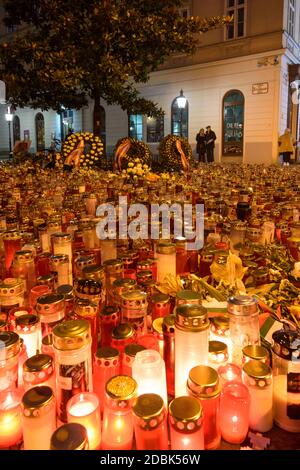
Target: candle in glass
[130,351]
[256,353]
[117,431]
[234,412]
[122,335]
[169,352]
[119,286]
[9,356]
[106,365]
[39,370]
[149,371]
[108,250]
[186,424]
[229,373]
[161,306]
[62,245]
[217,354]
[150,423]
[203,383]
[109,319]
[70,436]
[11,295]
[12,243]
[258,378]
[59,266]
[23,267]
[67,291]
[84,309]
[51,310]
[39,418]
[28,328]
[36,292]
[84,409]
[191,342]
[15,313]
[219,331]
[134,310]
[158,334]
[47,345]
[166,260]
[10,419]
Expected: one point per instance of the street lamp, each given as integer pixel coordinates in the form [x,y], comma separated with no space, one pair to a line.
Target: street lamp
[181,103]
[9,117]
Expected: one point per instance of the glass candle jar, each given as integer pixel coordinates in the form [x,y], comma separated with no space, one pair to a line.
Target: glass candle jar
[15,313]
[89,289]
[286,370]
[130,352]
[244,324]
[109,319]
[47,280]
[122,335]
[59,266]
[39,370]
[168,327]
[11,295]
[161,306]
[62,245]
[229,373]
[39,418]
[188,297]
[150,423]
[186,424]
[217,354]
[158,334]
[119,287]
[191,342]
[203,383]
[9,356]
[166,260]
[47,345]
[84,409]
[106,365]
[28,328]
[72,346]
[219,331]
[96,272]
[23,267]
[70,436]
[234,412]
[84,309]
[258,378]
[10,419]
[117,430]
[114,269]
[256,353]
[149,371]
[51,310]
[134,310]
[42,264]
[36,292]
[12,243]
[67,291]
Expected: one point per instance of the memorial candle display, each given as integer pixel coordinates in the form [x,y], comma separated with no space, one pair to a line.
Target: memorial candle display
[39,418]
[10,419]
[191,342]
[186,424]
[117,429]
[84,409]
[234,412]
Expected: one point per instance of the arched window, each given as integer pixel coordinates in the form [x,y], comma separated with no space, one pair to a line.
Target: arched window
[180,116]
[40,131]
[16,129]
[233,123]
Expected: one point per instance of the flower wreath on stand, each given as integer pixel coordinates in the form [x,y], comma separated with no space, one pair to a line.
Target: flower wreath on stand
[129,150]
[82,149]
[175,153]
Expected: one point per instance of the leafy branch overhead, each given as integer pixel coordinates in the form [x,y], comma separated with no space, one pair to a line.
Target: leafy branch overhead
[66,51]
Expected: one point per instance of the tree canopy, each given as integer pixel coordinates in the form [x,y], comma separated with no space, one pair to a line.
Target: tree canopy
[66,51]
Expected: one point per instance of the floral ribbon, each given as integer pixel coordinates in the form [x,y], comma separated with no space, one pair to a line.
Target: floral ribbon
[121,153]
[74,157]
[184,161]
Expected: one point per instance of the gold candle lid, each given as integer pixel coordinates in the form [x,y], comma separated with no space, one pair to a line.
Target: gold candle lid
[132,349]
[11,287]
[23,256]
[38,363]
[121,388]
[85,308]
[11,235]
[254,351]
[259,373]
[47,340]
[107,352]
[244,305]
[35,401]
[220,323]
[191,317]
[72,334]
[150,410]
[168,324]
[47,279]
[11,342]
[50,303]
[93,271]
[203,382]
[70,436]
[62,238]
[186,414]
[120,285]
[166,248]
[122,331]
[113,265]
[160,299]
[217,347]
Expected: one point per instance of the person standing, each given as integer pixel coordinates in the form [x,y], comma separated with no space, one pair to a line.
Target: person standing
[201,145]
[286,147]
[210,138]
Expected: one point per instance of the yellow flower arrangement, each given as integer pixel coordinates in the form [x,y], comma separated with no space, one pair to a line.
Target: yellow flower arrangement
[93,147]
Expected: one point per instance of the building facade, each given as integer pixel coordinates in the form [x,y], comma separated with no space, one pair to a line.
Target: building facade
[244,81]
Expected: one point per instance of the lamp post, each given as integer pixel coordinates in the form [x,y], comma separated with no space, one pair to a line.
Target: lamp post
[181,102]
[9,117]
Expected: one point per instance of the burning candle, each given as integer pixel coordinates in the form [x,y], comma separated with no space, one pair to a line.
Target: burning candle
[150,423]
[70,436]
[85,309]
[186,424]
[10,419]
[39,370]
[219,331]
[130,351]
[28,328]
[134,310]
[9,356]
[62,245]
[122,335]
[117,433]
[51,310]
[166,260]
[84,409]
[229,373]
[39,418]
[106,365]
[12,243]
[234,412]
[217,353]
[149,370]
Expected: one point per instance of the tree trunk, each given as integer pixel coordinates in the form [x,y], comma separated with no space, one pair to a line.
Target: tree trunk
[97,115]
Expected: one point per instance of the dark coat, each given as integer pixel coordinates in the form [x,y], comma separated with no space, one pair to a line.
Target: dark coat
[210,138]
[201,145]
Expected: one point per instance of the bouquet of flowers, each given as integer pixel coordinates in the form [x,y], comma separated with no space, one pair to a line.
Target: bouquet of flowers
[136,170]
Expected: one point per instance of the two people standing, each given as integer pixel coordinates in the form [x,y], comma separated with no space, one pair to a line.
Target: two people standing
[206,145]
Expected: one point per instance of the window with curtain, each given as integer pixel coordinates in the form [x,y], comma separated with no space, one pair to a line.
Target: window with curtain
[237,9]
[136,126]
[233,123]
[180,119]
[155,129]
